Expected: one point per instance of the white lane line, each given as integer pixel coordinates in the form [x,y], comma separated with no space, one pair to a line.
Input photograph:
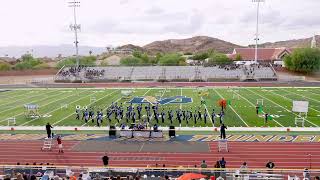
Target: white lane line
[279,106]
[232,108]
[255,106]
[141,147]
[88,105]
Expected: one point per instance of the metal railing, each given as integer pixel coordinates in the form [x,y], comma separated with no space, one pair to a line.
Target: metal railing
[101,171]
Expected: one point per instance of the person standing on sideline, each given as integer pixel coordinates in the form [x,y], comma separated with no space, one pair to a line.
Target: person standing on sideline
[257,109]
[266,118]
[105,160]
[223,131]
[48,128]
[59,140]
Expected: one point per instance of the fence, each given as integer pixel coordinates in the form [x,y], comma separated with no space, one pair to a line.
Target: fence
[153,172]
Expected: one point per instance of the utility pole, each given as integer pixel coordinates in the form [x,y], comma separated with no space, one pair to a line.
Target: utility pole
[75,27]
[257,30]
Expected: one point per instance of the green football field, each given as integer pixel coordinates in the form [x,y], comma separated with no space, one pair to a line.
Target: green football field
[241,112]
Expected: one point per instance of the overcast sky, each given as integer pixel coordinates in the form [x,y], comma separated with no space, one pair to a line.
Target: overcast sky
[118,22]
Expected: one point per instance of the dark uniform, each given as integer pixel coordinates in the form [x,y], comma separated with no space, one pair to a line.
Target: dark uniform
[223,131]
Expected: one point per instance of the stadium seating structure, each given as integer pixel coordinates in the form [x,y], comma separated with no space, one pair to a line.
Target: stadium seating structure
[167,73]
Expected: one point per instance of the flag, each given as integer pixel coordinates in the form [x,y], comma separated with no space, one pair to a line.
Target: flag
[260,110]
[229,102]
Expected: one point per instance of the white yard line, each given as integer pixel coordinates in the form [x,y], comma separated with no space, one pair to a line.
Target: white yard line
[205,106]
[29,102]
[103,110]
[17,115]
[301,95]
[52,110]
[180,95]
[142,95]
[290,98]
[88,105]
[255,106]
[12,96]
[279,106]
[232,109]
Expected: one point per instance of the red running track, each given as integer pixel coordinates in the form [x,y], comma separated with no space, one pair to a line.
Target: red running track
[284,155]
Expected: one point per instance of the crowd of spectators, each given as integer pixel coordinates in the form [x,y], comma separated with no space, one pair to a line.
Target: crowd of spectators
[72,71]
[94,73]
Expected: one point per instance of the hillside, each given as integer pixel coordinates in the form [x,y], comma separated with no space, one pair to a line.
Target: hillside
[194,44]
[295,43]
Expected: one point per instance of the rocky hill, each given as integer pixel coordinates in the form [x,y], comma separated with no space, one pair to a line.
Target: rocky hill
[295,43]
[194,44]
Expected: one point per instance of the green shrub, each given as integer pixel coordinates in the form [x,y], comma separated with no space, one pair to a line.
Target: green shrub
[4,66]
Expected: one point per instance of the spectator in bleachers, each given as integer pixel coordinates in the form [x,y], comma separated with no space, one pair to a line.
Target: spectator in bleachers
[203,164]
[317,178]
[217,166]
[243,167]
[222,163]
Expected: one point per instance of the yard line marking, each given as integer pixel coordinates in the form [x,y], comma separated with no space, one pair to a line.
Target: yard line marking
[103,110]
[17,115]
[8,96]
[255,106]
[292,99]
[279,106]
[88,105]
[301,95]
[52,110]
[232,108]
[143,96]
[180,95]
[314,93]
[25,98]
[205,106]
[32,101]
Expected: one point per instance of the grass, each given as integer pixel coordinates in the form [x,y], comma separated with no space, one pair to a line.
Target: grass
[277,102]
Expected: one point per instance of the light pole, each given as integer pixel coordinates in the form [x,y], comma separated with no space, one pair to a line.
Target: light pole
[257,30]
[75,27]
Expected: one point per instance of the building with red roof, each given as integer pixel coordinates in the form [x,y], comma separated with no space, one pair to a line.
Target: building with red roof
[265,55]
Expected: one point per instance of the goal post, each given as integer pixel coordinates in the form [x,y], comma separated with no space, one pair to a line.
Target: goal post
[11,120]
[260,102]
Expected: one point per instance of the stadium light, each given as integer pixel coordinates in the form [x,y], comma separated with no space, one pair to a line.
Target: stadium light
[257,30]
[75,27]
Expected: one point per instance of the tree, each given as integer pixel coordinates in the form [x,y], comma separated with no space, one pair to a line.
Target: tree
[305,60]
[90,53]
[4,66]
[201,56]
[238,57]
[172,59]
[71,61]
[130,61]
[218,59]
[27,62]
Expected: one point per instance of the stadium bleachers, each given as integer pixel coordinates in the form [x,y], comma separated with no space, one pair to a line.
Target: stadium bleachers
[166,73]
